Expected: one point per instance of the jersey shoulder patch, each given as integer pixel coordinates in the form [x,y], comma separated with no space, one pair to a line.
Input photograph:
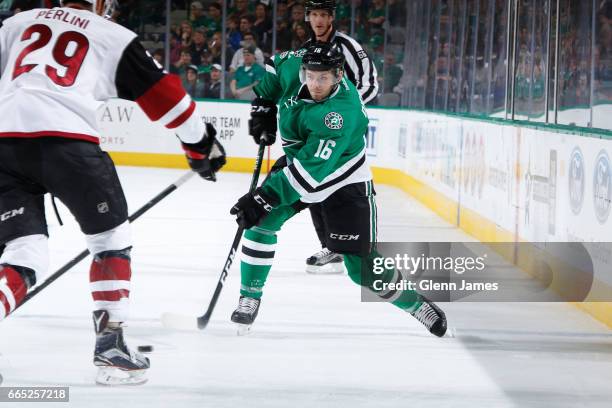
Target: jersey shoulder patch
[285,56]
[334,121]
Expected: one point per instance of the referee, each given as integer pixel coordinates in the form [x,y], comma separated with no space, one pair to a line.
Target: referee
[360,70]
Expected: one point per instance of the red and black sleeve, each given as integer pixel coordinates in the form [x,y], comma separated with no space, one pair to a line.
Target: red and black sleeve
[160,95]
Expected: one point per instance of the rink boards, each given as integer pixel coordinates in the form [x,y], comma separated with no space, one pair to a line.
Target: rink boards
[495,180]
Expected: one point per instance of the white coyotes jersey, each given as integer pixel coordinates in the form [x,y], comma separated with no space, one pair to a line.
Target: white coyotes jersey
[57,66]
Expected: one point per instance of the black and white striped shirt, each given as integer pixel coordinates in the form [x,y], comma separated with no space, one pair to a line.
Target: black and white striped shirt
[359,67]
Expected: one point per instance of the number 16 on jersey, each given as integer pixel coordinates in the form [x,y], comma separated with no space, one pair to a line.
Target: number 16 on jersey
[325,149]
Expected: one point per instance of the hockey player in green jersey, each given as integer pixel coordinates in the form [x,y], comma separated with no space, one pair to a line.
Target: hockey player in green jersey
[320,115]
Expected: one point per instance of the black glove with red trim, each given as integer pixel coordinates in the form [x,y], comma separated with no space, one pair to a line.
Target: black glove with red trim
[207,156]
[262,125]
[252,207]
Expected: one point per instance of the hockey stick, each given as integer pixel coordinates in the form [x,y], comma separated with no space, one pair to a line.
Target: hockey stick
[205,318]
[84,254]
[180,321]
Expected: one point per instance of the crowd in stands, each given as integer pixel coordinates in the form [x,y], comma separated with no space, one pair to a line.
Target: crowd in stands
[252,36]
[196,36]
[435,54]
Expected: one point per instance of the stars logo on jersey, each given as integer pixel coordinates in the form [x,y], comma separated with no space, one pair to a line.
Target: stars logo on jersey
[334,120]
[300,53]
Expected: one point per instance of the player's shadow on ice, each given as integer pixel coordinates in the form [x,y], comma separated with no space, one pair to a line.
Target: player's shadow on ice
[531,341]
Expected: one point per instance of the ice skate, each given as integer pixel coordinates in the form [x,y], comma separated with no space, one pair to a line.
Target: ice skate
[245,314]
[432,317]
[325,262]
[117,364]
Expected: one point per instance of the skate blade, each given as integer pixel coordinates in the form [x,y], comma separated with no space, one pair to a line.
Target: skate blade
[333,268]
[113,376]
[243,329]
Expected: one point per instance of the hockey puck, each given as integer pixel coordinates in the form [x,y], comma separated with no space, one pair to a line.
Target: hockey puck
[145,349]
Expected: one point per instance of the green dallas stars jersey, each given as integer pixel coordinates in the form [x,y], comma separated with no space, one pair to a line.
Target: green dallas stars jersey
[324,142]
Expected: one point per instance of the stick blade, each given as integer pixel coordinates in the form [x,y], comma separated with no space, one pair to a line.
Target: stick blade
[203,320]
[179,321]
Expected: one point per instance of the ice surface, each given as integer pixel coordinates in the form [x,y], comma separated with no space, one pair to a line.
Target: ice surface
[314,344]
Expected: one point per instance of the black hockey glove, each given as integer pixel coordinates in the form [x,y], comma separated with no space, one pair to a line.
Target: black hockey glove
[207,156]
[251,208]
[262,125]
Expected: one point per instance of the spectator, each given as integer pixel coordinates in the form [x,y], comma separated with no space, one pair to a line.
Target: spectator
[282,11]
[240,9]
[175,31]
[175,49]
[238,59]
[583,91]
[179,68]
[186,34]
[283,33]
[291,3]
[191,82]
[247,76]
[234,36]
[397,12]
[376,45]
[198,46]
[215,51]
[5,10]
[212,89]
[246,23]
[376,16]
[298,15]
[5,6]
[343,13]
[300,36]
[213,22]
[392,72]
[262,27]
[197,17]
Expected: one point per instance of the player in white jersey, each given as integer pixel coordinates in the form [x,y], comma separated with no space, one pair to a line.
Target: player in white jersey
[57,67]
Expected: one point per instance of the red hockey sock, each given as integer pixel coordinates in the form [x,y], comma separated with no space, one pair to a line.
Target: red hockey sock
[12,290]
[109,278]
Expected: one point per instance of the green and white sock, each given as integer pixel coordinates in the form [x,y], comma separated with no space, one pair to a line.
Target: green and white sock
[258,247]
